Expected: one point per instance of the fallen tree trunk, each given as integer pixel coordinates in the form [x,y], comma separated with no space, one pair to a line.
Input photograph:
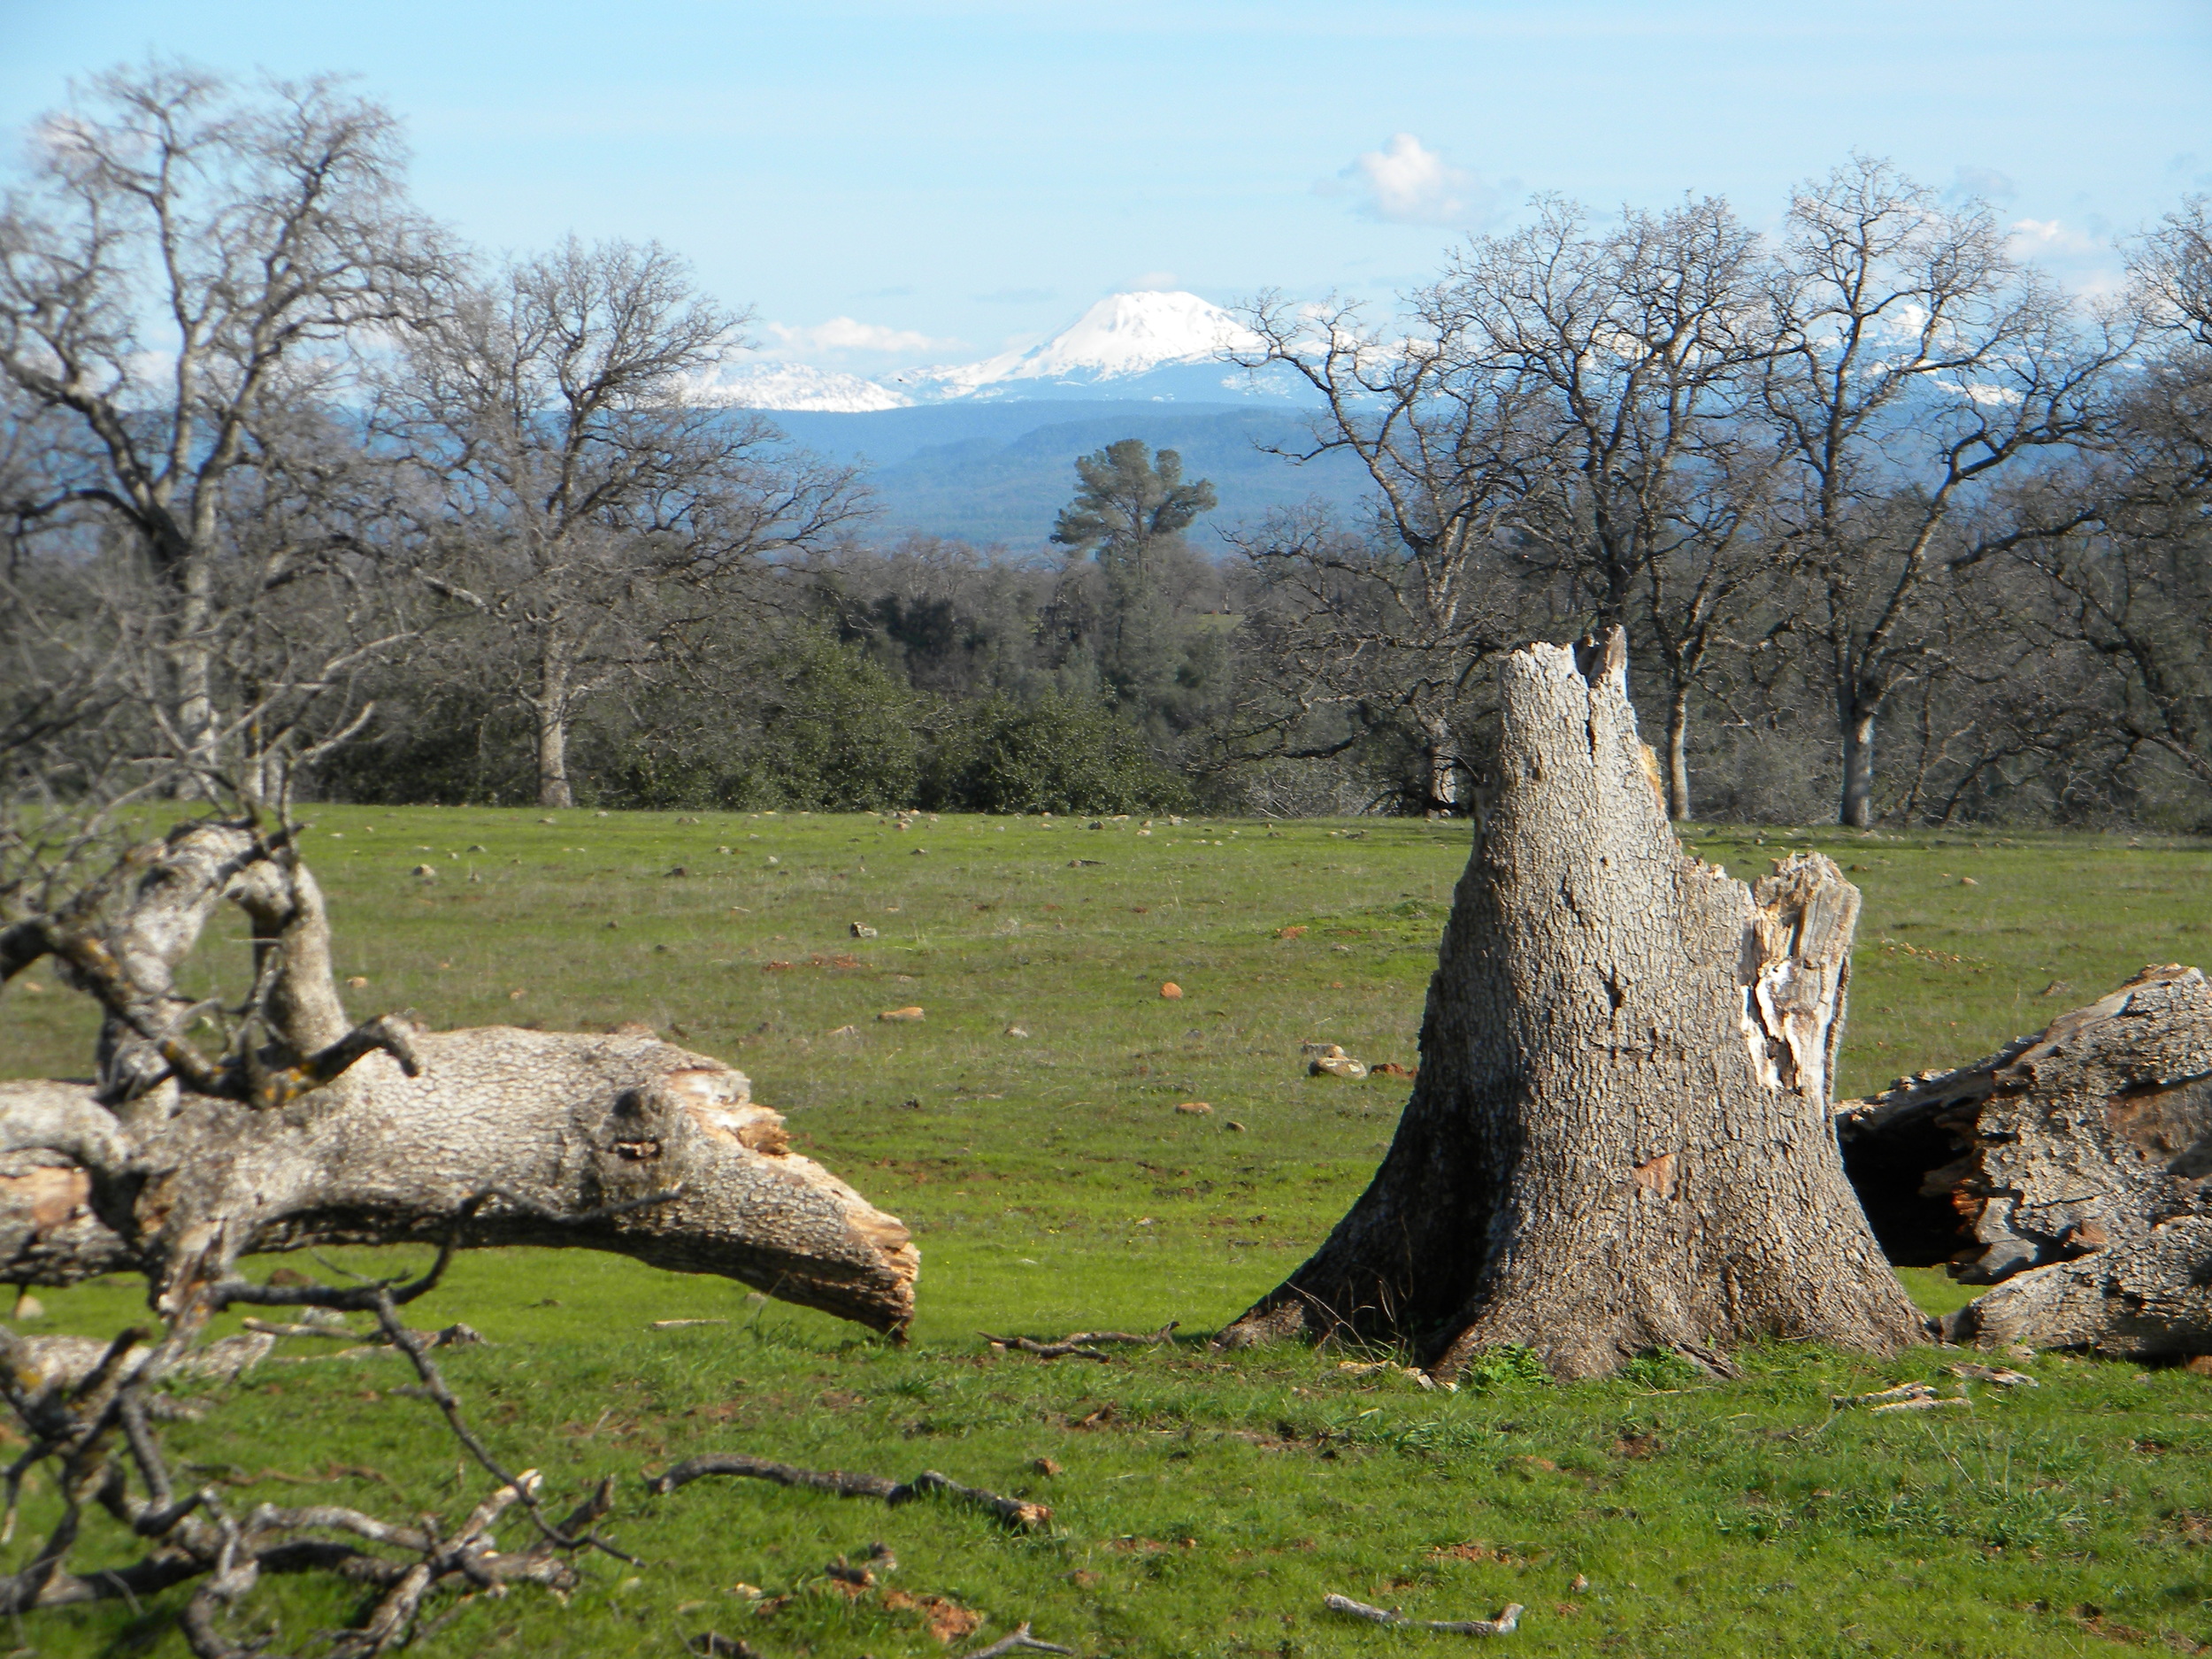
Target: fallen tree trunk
[174,1165]
[2068,1170]
[1619,1137]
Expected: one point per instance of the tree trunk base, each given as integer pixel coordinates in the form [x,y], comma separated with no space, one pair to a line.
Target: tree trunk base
[1619,1138]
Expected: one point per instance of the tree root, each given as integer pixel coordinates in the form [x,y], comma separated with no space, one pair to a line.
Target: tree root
[1502,1625]
[1013,1512]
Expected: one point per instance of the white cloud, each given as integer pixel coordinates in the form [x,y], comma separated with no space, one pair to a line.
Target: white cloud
[1408,183]
[841,335]
[2049,235]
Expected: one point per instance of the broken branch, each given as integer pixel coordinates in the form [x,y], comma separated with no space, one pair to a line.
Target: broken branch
[1502,1625]
[1018,1641]
[1014,1512]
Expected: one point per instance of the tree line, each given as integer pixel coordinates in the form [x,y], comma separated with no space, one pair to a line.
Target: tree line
[303,495]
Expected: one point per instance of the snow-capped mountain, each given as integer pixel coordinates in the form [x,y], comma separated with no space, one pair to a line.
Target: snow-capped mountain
[1163,346]
[799,385]
[1122,336]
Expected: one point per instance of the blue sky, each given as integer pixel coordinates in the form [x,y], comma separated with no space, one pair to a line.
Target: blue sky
[935,181]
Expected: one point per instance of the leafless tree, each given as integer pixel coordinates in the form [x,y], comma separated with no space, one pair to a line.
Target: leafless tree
[583,489]
[1635,349]
[184,281]
[1913,361]
[1396,619]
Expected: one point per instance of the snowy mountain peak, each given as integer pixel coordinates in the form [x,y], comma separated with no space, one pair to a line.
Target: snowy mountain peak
[1120,338]
[1128,334]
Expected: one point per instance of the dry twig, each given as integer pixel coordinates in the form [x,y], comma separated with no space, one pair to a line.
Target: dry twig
[1014,1512]
[1502,1625]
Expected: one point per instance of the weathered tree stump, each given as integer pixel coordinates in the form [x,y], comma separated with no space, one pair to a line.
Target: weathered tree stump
[2069,1169]
[1619,1140]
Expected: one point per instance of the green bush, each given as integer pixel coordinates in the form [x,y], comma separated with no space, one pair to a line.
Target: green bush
[1060,754]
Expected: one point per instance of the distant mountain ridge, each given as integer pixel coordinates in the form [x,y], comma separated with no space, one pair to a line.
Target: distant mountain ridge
[1150,345]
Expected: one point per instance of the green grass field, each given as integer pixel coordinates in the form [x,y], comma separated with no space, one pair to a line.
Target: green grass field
[1204,1504]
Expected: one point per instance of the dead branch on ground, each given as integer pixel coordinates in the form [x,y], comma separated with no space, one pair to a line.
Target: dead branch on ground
[1502,1625]
[1016,1513]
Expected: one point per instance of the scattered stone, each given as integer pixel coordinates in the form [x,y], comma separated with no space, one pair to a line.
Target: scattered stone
[1391,1068]
[920,851]
[29,1307]
[678,870]
[773,859]
[1967,881]
[846,1031]
[631,1028]
[861,930]
[900,1013]
[1172,991]
[549,821]
[289,1279]
[428,872]
[1290,933]
[357,982]
[515,995]
[613,926]
[1234,1126]
[1015,1030]
[479,847]
[1195,1108]
[1045,1466]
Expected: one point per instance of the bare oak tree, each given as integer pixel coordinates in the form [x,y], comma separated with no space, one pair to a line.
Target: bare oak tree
[183,282]
[1913,360]
[1635,349]
[581,485]
[1399,617]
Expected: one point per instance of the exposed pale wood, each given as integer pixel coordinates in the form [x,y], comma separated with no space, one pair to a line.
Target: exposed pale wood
[1619,1137]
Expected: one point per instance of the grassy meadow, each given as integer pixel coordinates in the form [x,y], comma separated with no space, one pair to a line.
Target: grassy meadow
[1204,1504]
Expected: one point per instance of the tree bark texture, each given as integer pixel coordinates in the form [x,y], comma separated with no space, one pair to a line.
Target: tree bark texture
[2068,1170]
[1619,1140]
[619,1142]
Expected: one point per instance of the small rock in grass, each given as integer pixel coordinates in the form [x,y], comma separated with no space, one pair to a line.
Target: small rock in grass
[29,1307]
[1015,1030]
[1234,1126]
[1967,881]
[1391,1068]
[549,821]
[426,872]
[1172,991]
[1195,1108]
[900,1013]
[678,870]
[356,982]
[861,930]
[479,847]
[773,859]
[515,995]
[1045,1466]
[846,1031]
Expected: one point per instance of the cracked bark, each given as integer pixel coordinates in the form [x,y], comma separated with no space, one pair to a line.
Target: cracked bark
[1619,1139]
[2068,1170]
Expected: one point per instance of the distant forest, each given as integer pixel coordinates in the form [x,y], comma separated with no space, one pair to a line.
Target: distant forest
[302,498]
